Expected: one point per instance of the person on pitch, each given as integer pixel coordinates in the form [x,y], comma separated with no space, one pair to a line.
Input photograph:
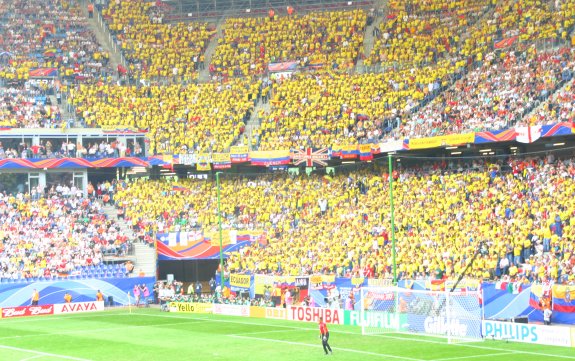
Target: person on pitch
[324,335]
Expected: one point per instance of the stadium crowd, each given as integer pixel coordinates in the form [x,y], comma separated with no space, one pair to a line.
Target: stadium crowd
[180,118]
[336,225]
[331,39]
[54,233]
[516,213]
[494,96]
[155,50]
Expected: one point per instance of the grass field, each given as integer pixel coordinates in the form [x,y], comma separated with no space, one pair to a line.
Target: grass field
[148,334]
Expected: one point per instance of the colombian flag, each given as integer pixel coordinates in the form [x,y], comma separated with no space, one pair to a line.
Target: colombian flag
[564,298]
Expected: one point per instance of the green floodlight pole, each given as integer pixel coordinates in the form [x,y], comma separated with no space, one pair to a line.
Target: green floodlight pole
[393,250]
[220,231]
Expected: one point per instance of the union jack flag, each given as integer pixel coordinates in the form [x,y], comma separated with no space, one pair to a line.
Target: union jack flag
[309,156]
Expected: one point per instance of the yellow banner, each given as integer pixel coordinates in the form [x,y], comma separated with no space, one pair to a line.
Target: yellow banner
[221,158]
[203,166]
[187,307]
[357,281]
[257,312]
[443,140]
[365,148]
[242,281]
[239,150]
[168,159]
[120,127]
[564,292]
[270,154]
[263,283]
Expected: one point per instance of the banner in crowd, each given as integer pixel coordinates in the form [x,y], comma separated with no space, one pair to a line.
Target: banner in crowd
[82,291]
[280,67]
[346,151]
[122,129]
[440,141]
[43,72]
[222,160]
[310,157]
[240,282]
[391,146]
[239,154]
[197,245]
[505,43]
[272,157]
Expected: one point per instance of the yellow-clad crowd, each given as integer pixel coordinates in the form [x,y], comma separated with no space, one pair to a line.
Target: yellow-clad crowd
[528,20]
[180,119]
[340,224]
[416,34]
[153,49]
[327,109]
[331,39]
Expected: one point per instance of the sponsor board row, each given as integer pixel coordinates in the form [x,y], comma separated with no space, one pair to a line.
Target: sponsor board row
[57,309]
[530,333]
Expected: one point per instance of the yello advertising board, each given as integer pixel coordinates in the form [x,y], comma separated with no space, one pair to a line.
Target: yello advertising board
[78,307]
[309,314]
[188,307]
[528,333]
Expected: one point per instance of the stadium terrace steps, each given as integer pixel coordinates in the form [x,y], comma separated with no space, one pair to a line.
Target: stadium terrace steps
[254,122]
[103,37]
[204,75]
[368,43]
[145,256]
[145,259]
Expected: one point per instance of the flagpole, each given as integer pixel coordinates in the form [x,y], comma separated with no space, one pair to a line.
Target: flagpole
[392,210]
[220,231]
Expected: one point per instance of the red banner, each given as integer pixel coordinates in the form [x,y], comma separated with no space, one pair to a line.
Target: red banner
[24,311]
[505,43]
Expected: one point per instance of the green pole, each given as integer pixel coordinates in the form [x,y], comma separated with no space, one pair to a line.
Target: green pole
[220,231]
[393,251]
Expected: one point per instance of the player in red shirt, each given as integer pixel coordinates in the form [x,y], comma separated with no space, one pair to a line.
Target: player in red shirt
[324,335]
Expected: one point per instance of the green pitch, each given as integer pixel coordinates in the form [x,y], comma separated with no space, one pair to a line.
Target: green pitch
[149,334]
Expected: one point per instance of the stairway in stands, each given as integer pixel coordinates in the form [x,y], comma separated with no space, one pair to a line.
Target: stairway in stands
[143,256]
[204,75]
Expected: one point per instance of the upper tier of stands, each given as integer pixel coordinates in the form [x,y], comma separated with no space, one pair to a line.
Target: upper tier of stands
[427,56]
[339,224]
[329,39]
[55,34]
[155,50]
[180,118]
[416,34]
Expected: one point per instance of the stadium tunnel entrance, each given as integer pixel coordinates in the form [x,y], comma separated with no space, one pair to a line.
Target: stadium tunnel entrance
[189,270]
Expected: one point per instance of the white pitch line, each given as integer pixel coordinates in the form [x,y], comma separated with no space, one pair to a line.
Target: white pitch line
[262,332]
[475,356]
[319,346]
[95,330]
[40,353]
[32,358]
[378,335]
